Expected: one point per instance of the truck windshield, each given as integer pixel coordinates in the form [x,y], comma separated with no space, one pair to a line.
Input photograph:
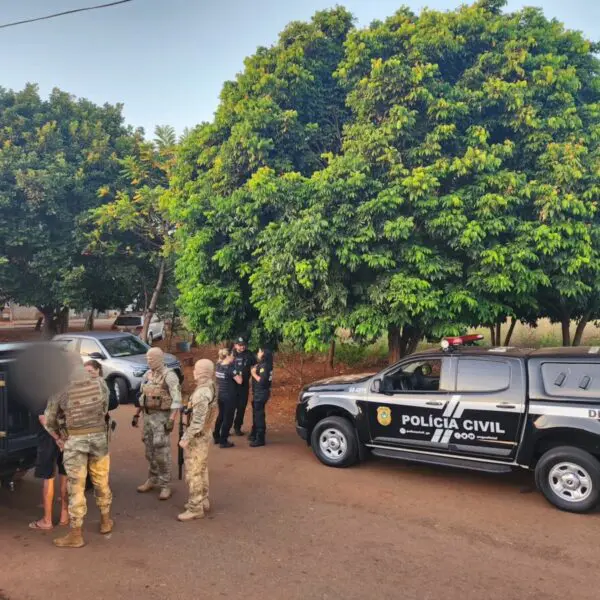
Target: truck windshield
[125,346]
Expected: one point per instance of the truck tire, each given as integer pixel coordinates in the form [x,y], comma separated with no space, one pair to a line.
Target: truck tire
[569,478]
[334,442]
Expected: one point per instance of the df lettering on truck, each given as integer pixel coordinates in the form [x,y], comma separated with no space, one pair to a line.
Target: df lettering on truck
[494,410]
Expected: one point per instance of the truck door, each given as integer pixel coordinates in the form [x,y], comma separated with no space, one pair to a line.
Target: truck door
[490,406]
[407,404]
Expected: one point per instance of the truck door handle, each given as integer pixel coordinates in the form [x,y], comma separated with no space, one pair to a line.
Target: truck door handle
[434,403]
[506,405]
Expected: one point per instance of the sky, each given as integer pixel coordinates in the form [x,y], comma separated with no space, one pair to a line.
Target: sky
[166,60]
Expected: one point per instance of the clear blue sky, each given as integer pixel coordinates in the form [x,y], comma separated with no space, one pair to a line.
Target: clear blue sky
[166,60]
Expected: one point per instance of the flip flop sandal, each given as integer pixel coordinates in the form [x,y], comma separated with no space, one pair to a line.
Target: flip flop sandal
[36,525]
[64,523]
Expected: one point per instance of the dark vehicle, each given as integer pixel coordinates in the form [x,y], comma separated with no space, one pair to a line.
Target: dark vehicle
[18,427]
[491,410]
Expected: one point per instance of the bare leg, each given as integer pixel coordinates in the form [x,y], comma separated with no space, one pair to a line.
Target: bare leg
[48,499]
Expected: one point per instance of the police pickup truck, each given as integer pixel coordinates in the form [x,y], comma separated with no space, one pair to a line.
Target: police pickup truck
[492,410]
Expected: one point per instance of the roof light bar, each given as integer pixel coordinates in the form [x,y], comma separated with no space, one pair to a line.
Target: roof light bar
[461,340]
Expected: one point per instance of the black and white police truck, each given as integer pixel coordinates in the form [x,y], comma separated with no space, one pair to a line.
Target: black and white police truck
[484,409]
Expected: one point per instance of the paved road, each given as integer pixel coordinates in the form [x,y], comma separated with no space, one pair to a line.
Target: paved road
[284,526]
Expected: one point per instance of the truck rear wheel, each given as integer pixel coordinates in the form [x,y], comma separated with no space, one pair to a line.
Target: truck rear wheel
[569,478]
[334,442]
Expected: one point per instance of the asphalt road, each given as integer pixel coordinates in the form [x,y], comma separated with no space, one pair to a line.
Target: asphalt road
[284,526]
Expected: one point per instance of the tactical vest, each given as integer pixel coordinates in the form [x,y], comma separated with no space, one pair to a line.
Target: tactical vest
[84,408]
[156,392]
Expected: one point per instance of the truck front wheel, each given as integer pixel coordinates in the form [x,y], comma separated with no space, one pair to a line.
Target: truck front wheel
[569,478]
[334,442]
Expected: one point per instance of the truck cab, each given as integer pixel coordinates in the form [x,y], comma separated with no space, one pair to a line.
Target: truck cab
[486,409]
[18,427]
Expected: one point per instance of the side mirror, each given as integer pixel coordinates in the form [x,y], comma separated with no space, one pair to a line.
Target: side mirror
[96,356]
[377,386]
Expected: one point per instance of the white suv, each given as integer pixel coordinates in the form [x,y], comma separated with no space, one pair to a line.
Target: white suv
[133,323]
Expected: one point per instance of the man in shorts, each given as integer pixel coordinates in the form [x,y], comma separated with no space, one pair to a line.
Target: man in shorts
[49,458]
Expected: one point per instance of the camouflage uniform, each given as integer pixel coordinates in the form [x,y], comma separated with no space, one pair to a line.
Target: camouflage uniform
[78,416]
[199,434]
[156,438]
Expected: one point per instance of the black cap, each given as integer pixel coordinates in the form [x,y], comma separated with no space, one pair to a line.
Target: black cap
[240,340]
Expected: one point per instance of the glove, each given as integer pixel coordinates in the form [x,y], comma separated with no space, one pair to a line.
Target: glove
[135,420]
[169,425]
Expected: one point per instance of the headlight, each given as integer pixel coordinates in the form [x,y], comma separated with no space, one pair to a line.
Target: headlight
[139,373]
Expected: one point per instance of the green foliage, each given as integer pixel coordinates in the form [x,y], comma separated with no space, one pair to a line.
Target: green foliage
[54,155]
[280,115]
[459,187]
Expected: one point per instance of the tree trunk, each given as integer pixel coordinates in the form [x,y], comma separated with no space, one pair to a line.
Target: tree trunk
[511,330]
[580,329]
[331,355]
[89,322]
[49,329]
[492,336]
[149,313]
[394,351]
[566,331]
[498,332]
[63,320]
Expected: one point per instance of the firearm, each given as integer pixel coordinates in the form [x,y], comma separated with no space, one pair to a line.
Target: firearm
[185,411]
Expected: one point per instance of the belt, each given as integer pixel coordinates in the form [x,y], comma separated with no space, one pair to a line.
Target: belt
[151,411]
[86,430]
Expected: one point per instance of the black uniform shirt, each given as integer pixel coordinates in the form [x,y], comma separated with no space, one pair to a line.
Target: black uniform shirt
[225,382]
[263,386]
[244,361]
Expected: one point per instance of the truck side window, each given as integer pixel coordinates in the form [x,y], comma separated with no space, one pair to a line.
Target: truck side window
[417,376]
[476,375]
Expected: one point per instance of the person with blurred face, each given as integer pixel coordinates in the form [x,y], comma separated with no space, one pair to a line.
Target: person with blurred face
[244,361]
[262,376]
[228,381]
[196,440]
[160,400]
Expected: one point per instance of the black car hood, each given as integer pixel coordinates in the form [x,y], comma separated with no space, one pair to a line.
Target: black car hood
[339,383]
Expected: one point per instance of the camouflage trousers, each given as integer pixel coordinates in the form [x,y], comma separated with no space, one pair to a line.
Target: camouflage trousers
[158,448]
[196,472]
[85,454]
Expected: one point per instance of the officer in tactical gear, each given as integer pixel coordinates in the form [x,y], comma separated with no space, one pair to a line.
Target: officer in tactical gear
[228,382]
[75,418]
[196,440]
[244,360]
[160,401]
[262,376]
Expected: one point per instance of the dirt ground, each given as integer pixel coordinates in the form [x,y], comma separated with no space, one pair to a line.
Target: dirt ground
[284,526]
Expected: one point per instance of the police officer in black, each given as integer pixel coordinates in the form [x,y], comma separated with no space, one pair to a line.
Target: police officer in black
[228,382]
[262,376]
[244,360]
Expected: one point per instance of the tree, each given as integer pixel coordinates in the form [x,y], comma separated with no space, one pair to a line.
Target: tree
[283,113]
[465,192]
[54,155]
[135,222]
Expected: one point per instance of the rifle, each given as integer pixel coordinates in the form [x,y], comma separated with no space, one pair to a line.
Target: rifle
[184,412]
[179,448]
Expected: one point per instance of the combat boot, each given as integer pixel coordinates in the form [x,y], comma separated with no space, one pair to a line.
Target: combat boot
[252,436]
[188,515]
[165,493]
[206,505]
[106,523]
[147,486]
[73,539]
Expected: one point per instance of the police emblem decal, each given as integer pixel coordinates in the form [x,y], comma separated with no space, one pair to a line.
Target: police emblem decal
[384,415]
